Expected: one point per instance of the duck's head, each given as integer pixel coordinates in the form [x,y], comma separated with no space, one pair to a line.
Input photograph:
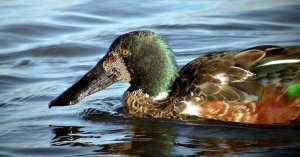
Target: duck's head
[141,58]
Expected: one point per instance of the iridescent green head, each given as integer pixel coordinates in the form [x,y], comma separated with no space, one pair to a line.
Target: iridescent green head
[142,58]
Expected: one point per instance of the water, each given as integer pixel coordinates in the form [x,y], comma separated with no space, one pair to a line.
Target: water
[45,46]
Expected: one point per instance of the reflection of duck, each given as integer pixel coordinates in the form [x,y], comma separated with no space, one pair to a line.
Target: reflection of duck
[145,137]
[260,85]
[140,139]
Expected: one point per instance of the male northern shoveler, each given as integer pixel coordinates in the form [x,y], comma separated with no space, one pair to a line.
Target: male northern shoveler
[259,85]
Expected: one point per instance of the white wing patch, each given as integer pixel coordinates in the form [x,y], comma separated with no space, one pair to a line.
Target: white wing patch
[227,77]
[190,109]
[284,61]
[162,95]
[223,78]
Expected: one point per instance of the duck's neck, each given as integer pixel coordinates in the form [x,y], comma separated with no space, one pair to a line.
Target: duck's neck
[159,71]
[165,75]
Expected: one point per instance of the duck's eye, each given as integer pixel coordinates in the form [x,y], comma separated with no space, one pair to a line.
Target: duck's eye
[124,53]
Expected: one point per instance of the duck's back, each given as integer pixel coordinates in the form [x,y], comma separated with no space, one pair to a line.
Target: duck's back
[259,85]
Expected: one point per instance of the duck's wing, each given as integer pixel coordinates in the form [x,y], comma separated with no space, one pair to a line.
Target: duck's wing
[247,81]
[238,76]
[278,66]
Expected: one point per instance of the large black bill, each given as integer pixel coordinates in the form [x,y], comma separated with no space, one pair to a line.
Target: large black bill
[95,80]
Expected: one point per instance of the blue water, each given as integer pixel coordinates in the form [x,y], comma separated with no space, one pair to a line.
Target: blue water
[45,46]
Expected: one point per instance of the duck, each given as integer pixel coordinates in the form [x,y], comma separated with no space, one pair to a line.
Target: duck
[257,85]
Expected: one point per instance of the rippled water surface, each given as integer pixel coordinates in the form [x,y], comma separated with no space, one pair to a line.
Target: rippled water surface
[45,46]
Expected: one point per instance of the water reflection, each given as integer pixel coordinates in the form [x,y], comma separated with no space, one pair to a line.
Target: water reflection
[141,139]
[168,138]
